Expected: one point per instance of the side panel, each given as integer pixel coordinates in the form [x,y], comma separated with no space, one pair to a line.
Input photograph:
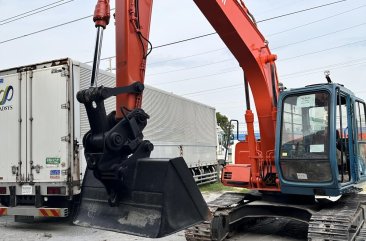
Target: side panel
[10,127]
[180,127]
[48,125]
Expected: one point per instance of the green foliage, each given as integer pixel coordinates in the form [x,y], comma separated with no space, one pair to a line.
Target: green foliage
[218,187]
[223,122]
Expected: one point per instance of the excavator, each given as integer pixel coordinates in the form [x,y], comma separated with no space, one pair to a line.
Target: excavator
[307,164]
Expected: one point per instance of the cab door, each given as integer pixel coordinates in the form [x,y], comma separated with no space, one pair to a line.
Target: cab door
[360,137]
[345,148]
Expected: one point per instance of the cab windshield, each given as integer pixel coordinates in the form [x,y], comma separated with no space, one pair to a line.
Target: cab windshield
[304,137]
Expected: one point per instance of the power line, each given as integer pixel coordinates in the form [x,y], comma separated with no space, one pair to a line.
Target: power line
[260,21]
[184,40]
[286,45]
[334,67]
[164,45]
[187,56]
[342,65]
[319,36]
[192,67]
[18,15]
[214,89]
[322,68]
[226,60]
[282,77]
[239,85]
[32,12]
[316,21]
[323,50]
[286,30]
[301,11]
[168,44]
[45,29]
[198,66]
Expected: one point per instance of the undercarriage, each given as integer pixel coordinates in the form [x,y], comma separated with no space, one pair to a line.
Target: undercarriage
[341,220]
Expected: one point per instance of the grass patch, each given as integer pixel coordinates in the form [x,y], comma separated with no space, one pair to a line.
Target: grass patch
[219,187]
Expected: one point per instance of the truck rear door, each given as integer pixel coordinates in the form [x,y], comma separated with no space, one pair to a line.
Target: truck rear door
[48,125]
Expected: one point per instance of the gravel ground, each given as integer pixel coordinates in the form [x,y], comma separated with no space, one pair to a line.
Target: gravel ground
[57,230]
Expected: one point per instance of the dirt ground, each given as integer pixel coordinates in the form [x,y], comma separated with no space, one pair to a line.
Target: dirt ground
[57,230]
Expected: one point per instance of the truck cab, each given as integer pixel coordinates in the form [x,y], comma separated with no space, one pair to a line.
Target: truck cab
[321,148]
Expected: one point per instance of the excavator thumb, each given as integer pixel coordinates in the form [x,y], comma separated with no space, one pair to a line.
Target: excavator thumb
[123,189]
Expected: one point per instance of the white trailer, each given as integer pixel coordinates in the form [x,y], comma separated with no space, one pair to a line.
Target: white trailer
[42,126]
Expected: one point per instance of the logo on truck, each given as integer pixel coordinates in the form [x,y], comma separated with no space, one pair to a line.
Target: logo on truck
[5,97]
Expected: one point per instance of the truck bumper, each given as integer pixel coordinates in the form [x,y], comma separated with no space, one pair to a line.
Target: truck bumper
[35,212]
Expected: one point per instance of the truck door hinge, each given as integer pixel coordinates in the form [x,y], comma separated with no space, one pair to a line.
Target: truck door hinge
[66,138]
[66,106]
[64,72]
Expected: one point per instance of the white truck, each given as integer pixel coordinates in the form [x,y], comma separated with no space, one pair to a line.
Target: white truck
[42,126]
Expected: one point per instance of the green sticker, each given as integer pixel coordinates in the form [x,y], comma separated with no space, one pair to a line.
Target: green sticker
[53,160]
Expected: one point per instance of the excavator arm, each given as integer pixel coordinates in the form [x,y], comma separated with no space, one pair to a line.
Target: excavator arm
[237,28]
[123,189]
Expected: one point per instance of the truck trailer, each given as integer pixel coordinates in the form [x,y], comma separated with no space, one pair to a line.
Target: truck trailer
[42,126]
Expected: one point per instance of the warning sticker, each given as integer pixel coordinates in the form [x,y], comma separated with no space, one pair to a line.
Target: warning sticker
[53,160]
[302,176]
[55,174]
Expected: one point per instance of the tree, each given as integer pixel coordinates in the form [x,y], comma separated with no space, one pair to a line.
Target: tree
[224,123]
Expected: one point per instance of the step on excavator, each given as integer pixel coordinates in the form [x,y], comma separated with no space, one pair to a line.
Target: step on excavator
[312,146]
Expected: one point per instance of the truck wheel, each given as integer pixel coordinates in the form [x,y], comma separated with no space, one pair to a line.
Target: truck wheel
[5,201]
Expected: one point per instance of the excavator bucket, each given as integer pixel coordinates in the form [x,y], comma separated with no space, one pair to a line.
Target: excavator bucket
[161,199]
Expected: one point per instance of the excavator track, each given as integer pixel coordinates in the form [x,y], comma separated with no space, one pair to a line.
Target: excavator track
[343,220]
[361,236]
[339,221]
[218,227]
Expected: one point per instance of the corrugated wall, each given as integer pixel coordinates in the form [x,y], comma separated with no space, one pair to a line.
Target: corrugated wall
[175,123]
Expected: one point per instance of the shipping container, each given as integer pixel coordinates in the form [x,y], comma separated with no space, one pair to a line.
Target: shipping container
[42,125]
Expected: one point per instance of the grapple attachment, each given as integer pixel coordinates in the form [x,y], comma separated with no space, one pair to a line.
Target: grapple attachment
[123,189]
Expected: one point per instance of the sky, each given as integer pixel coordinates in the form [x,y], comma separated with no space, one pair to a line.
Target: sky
[308,43]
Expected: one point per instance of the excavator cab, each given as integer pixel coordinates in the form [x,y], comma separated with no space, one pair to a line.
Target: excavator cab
[321,145]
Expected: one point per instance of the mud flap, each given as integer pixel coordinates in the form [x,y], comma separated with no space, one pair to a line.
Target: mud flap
[160,199]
